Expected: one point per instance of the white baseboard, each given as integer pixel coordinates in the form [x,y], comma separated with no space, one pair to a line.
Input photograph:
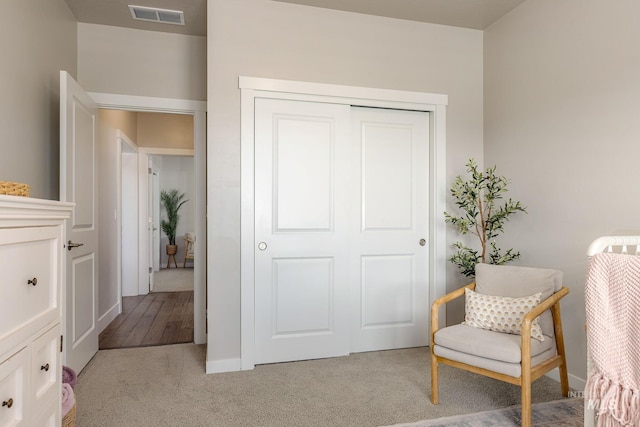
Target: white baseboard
[199,338]
[108,317]
[575,383]
[224,365]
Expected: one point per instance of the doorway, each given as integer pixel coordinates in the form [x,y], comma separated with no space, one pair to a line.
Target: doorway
[196,299]
[157,299]
[169,173]
[157,318]
[162,317]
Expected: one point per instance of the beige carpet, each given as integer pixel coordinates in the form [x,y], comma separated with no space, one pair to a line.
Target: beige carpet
[167,386]
[173,280]
[557,413]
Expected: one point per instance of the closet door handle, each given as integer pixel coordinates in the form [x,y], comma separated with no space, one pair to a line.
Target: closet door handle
[45,368]
[8,403]
[33,281]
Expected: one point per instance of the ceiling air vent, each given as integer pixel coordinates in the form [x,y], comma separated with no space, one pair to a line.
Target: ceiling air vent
[153,14]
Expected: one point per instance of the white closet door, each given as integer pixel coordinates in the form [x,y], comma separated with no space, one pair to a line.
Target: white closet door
[390,217]
[301,255]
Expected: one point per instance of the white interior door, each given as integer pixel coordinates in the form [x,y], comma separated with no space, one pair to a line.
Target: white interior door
[78,180]
[390,217]
[155,213]
[301,259]
[151,230]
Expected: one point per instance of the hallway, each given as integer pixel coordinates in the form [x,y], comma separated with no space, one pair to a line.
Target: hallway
[158,318]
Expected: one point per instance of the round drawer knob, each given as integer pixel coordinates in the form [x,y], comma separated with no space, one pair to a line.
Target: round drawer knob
[8,403]
[44,367]
[33,281]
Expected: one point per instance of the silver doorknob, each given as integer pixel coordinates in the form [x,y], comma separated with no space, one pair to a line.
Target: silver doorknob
[71,245]
[422,242]
[262,246]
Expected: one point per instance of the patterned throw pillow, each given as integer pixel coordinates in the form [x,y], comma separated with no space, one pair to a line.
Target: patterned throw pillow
[501,314]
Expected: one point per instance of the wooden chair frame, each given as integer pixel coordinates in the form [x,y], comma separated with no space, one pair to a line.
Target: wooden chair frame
[188,244]
[528,373]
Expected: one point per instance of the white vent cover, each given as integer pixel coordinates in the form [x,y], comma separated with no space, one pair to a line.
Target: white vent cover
[153,14]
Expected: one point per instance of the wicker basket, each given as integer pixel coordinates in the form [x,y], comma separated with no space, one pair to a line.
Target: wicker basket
[69,420]
[14,188]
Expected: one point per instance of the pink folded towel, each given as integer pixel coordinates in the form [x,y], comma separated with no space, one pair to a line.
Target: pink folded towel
[69,376]
[68,399]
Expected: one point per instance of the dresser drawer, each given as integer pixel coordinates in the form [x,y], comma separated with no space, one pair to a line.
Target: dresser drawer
[28,290]
[14,385]
[49,417]
[45,368]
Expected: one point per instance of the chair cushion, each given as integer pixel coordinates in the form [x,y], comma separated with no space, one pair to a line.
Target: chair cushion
[512,369]
[488,344]
[516,281]
[500,314]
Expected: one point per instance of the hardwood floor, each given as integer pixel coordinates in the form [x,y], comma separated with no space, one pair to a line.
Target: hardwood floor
[157,318]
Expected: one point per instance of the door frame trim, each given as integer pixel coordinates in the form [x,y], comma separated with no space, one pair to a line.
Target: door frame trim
[254,87]
[198,109]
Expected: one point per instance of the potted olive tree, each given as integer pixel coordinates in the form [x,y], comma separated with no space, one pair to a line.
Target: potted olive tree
[172,201]
[481,214]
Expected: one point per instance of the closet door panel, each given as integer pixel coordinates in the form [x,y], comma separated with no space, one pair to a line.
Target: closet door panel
[301,253]
[390,217]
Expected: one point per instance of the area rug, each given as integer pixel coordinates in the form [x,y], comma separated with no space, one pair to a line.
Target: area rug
[557,413]
[173,280]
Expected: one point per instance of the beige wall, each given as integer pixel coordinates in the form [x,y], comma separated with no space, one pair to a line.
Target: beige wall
[145,63]
[108,171]
[157,130]
[165,130]
[109,168]
[37,40]
[261,38]
[562,107]
[125,121]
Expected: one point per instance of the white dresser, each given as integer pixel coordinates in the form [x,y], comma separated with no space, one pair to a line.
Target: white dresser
[31,252]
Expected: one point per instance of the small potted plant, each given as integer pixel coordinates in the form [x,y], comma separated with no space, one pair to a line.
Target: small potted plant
[172,201]
[477,199]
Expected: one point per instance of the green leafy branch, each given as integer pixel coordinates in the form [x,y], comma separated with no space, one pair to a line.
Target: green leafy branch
[477,199]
